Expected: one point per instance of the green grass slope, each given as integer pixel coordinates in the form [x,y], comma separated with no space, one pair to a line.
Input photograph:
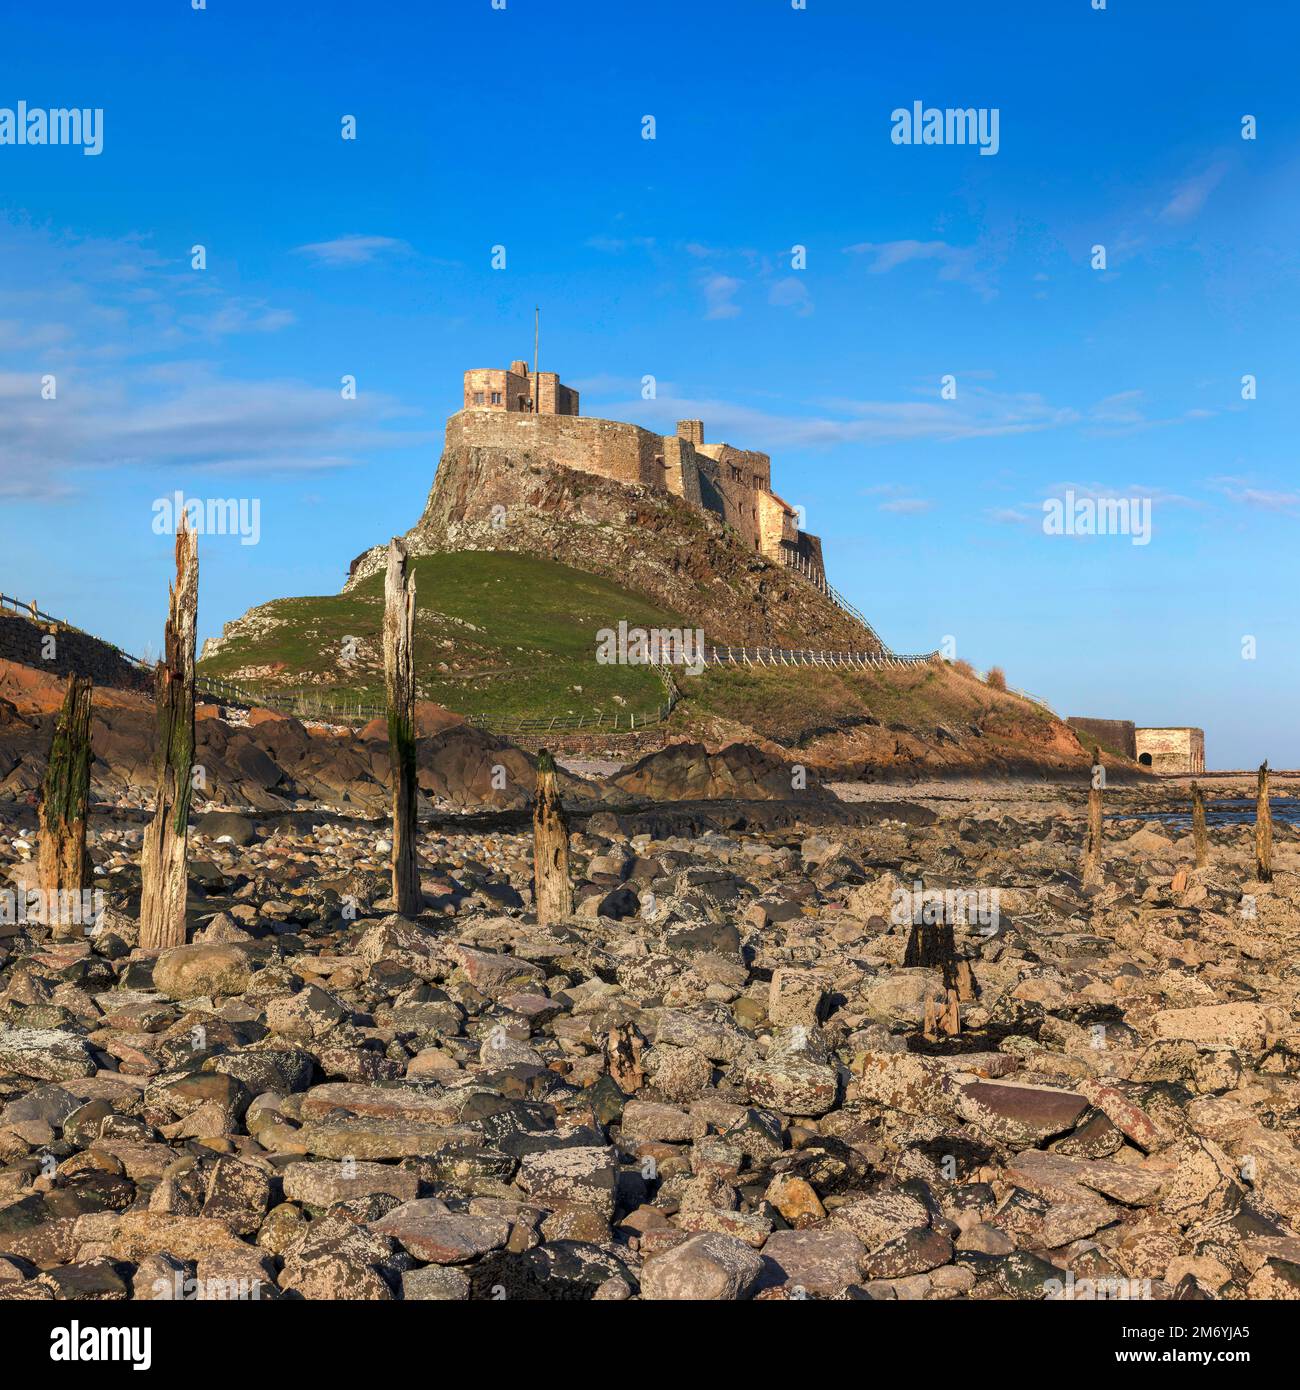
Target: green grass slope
[497,636]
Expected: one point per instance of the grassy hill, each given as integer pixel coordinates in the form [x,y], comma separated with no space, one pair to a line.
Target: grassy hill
[497,635]
[502,635]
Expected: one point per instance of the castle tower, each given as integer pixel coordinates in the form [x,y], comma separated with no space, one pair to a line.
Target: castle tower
[519,390]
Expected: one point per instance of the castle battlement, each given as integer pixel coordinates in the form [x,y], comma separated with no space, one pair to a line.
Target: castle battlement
[734,484]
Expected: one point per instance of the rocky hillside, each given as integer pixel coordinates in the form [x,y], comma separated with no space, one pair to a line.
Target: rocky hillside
[852,725]
[519,564]
[651,543]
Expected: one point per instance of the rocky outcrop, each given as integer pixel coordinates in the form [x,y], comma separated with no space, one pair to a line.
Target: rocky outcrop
[651,542]
[741,772]
[277,762]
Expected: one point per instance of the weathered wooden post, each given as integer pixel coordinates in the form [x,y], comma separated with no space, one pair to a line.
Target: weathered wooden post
[551,886]
[1200,837]
[1092,871]
[1263,829]
[61,861]
[163,861]
[933,944]
[399,684]
[623,1057]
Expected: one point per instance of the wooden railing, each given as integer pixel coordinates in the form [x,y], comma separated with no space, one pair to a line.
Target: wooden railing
[816,576]
[28,610]
[36,615]
[780,656]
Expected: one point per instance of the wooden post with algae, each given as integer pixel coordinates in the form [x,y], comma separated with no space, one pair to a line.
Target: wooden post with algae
[163,860]
[62,867]
[399,684]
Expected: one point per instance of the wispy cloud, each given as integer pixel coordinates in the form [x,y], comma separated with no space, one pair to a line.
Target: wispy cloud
[791,292]
[896,499]
[1124,413]
[615,245]
[353,249]
[1030,514]
[125,338]
[204,421]
[1190,196]
[719,296]
[980,414]
[1246,493]
[956,263]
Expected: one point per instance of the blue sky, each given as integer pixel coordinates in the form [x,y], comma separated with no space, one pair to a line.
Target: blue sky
[672,258]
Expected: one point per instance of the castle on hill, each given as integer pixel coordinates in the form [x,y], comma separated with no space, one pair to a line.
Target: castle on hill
[516,409]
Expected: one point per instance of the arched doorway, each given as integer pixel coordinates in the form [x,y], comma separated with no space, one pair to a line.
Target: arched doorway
[1144,759]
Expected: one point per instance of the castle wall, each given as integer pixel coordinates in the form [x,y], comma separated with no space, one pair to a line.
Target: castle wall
[734,484]
[625,453]
[682,470]
[75,653]
[1119,734]
[553,397]
[776,527]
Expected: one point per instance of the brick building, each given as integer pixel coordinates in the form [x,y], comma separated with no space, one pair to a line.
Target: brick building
[1171,750]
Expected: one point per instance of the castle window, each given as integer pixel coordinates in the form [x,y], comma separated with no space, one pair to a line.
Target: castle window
[478,397]
[496,397]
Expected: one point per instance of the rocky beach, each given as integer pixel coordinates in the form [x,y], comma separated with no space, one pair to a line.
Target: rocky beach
[716,1079]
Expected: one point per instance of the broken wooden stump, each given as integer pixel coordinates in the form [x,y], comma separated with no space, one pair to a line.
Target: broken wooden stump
[399,685]
[551,886]
[933,945]
[163,859]
[1263,829]
[63,870]
[623,1057]
[1092,843]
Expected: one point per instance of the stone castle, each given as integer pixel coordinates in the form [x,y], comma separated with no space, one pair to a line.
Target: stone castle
[521,410]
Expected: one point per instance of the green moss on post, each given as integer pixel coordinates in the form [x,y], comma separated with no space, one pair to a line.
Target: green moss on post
[62,867]
[399,688]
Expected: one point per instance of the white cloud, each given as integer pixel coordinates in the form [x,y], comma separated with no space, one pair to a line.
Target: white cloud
[1190,196]
[353,249]
[116,326]
[719,292]
[979,414]
[956,263]
[1248,494]
[791,293]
